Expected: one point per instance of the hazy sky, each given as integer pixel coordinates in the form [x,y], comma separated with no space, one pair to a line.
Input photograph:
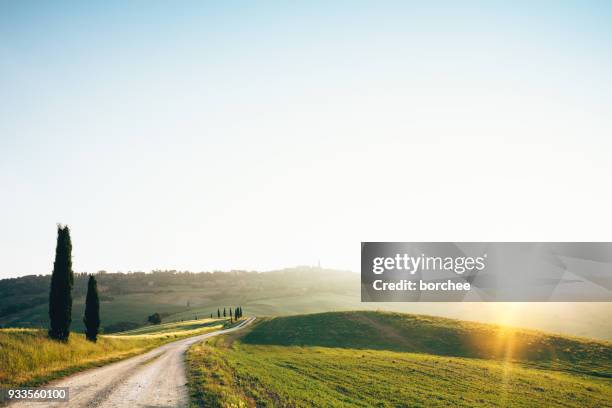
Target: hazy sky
[260,135]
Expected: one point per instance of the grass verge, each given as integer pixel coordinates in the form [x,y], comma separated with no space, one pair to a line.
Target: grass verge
[29,358]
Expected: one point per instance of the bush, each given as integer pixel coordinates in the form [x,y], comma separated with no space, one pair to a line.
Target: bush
[155,318]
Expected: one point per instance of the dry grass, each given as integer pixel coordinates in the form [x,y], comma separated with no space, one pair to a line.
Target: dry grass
[29,357]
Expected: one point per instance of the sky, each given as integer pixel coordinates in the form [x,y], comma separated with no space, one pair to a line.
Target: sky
[261,135]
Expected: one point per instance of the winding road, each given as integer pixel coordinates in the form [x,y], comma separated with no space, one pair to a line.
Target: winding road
[155,379]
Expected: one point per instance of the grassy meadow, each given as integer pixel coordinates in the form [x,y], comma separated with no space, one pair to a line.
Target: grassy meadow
[397,360]
[28,357]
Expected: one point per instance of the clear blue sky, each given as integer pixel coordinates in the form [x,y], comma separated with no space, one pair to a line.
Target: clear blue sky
[260,135]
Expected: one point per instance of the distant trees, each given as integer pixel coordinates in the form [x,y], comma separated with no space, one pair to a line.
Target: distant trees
[92,311]
[155,318]
[234,314]
[62,280]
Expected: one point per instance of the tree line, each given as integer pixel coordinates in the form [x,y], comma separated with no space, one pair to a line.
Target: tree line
[235,315]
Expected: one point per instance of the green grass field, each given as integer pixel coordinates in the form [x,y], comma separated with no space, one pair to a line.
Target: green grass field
[396,360]
[29,357]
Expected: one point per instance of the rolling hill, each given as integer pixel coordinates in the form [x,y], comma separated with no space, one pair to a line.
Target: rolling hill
[398,360]
[128,298]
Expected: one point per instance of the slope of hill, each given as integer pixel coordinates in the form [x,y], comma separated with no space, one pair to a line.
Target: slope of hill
[435,335]
[131,297]
[128,298]
[391,359]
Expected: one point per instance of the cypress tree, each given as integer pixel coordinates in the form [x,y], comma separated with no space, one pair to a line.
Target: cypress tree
[218,313]
[92,310]
[224,314]
[62,279]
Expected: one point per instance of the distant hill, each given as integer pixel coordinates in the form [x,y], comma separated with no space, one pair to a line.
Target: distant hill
[128,298]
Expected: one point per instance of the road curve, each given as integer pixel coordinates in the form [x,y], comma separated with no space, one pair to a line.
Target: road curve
[154,379]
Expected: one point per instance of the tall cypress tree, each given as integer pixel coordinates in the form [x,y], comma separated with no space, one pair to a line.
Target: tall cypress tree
[92,310]
[224,313]
[218,313]
[62,279]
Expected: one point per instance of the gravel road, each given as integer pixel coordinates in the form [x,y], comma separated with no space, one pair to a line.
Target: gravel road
[155,379]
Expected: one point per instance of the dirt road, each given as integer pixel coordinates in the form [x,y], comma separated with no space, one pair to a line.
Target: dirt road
[154,379]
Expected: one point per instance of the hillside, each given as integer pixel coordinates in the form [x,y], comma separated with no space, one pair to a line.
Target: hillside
[131,297]
[391,359]
[435,335]
[128,298]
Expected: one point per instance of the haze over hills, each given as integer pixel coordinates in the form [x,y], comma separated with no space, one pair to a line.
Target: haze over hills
[128,298]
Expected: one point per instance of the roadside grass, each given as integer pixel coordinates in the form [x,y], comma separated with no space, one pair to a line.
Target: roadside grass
[183,328]
[28,357]
[259,369]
